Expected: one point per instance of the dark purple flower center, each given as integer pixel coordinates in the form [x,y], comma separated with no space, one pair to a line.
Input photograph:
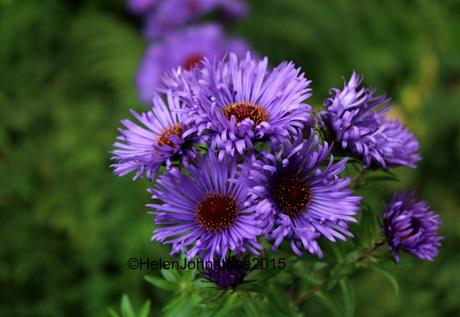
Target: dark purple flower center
[415,226]
[164,137]
[291,193]
[243,110]
[191,61]
[217,212]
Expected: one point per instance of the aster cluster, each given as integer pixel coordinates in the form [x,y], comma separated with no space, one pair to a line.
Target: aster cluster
[240,162]
[357,119]
[175,40]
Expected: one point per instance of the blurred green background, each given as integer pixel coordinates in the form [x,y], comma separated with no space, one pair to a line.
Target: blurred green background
[68,226]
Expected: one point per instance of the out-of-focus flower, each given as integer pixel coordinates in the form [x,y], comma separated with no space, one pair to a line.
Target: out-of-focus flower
[205,213]
[242,101]
[229,274]
[172,14]
[410,225]
[141,7]
[356,118]
[185,49]
[299,201]
[143,147]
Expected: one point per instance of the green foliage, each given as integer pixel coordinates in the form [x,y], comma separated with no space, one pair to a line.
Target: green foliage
[128,311]
[68,225]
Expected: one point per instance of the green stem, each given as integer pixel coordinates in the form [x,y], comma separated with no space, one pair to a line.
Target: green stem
[369,253]
[312,291]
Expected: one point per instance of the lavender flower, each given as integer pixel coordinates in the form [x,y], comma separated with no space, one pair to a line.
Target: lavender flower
[205,213]
[185,49]
[141,7]
[304,201]
[144,147]
[356,118]
[241,101]
[411,226]
[172,14]
[228,275]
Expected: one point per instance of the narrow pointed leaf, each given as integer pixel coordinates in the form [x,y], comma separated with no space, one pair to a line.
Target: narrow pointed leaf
[348,298]
[145,310]
[126,307]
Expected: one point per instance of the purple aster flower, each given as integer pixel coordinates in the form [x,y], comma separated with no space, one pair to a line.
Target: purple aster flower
[143,147]
[172,14]
[304,200]
[230,274]
[357,120]
[185,49]
[234,9]
[205,213]
[240,102]
[410,225]
[141,7]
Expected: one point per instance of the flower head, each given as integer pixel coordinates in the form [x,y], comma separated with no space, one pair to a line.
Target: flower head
[143,147]
[410,225]
[304,201]
[172,14]
[205,213]
[239,102]
[357,120]
[184,49]
[228,274]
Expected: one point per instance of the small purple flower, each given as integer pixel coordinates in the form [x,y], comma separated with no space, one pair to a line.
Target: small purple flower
[357,120]
[410,225]
[299,201]
[143,147]
[172,14]
[185,49]
[239,102]
[205,213]
[228,275]
[141,7]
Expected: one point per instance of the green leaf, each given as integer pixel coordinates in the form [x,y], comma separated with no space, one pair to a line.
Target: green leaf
[126,307]
[145,310]
[253,305]
[348,297]
[225,307]
[160,283]
[390,278]
[112,313]
[249,306]
[340,271]
[182,305]
[280,302]
[170,275]
[338,252]
[329,304]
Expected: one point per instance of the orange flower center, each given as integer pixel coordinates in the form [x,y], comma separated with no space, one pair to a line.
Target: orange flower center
[164,138]
[243,110]
[192,61]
